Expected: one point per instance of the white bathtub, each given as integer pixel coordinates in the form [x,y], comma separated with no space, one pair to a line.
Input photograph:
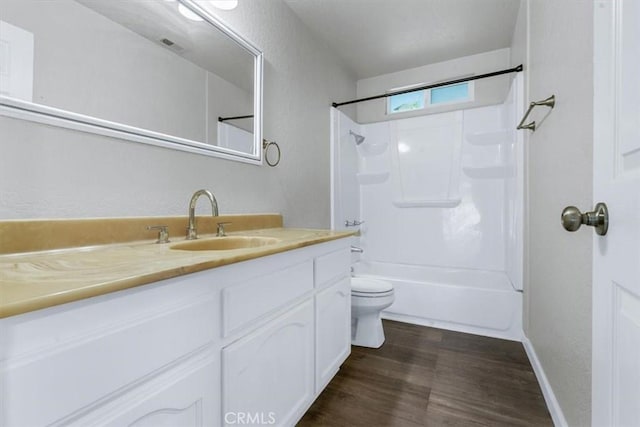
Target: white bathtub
[473,301]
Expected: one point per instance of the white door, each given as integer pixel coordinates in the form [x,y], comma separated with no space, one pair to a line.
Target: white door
[616,279]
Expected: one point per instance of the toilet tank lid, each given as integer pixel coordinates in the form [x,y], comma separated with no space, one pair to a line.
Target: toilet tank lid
[364,284]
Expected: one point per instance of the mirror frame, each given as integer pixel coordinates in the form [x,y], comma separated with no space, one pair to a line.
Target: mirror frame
[19,109]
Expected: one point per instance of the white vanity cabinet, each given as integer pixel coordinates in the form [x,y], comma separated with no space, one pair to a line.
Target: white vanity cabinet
[253,342]
[271,375]
[119,356]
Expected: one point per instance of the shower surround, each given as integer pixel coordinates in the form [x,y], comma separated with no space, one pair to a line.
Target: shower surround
[441,200]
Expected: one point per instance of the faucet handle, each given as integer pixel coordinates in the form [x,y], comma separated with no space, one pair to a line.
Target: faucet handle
[221,232]
[163,232]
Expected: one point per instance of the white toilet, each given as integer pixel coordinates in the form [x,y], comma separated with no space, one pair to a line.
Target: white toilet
[368,298]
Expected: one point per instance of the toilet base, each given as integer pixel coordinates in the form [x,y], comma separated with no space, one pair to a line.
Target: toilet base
[367,331]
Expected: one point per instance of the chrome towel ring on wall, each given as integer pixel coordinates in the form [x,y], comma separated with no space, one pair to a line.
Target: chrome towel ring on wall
[549,102]
[265,146]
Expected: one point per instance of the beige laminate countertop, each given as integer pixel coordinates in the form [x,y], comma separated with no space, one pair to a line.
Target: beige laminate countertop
[37,280]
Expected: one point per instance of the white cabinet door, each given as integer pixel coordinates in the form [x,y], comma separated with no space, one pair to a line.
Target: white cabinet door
[333,330]
[185,396]
[267,376]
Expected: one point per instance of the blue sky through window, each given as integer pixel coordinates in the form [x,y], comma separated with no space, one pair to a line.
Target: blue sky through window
[406,102]
[445,94]
[418,100]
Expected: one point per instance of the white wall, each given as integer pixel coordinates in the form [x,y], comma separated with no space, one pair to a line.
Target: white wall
[558,288]
[53,172]
[487,91]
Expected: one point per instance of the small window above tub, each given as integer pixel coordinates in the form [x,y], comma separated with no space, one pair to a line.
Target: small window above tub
[451,94]
[406,102]
[427,98]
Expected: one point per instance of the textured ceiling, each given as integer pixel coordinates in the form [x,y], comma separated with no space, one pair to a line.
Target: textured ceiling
[376,37]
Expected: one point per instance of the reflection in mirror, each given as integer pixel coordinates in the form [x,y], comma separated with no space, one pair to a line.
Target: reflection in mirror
[139,68]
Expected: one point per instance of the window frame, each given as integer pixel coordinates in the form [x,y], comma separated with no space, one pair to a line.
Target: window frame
[427,97]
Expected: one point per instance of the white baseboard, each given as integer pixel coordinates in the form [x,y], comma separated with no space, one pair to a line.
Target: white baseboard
[549,396]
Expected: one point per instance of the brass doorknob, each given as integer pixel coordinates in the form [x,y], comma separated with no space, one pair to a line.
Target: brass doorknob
[572,218]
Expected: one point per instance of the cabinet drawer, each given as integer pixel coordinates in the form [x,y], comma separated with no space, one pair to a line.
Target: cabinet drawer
[332,266]
[244,302]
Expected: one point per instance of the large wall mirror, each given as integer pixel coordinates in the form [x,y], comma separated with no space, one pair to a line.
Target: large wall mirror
[162,72]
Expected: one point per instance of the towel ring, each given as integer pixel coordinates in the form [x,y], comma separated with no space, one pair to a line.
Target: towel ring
[265,146]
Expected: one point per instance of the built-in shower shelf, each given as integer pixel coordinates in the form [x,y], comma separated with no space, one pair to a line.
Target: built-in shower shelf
[487,172]
[489,138]
[372,178]
[370,149]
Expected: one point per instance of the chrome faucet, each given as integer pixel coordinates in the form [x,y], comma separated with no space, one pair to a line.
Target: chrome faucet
[192,232]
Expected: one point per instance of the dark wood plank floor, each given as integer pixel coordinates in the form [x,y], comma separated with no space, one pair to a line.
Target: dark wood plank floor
[431,377]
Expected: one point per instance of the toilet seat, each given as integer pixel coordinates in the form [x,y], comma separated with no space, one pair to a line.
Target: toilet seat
[371,294]
[370,287]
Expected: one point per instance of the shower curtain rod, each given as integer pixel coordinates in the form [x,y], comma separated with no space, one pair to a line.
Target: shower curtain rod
[431,86]
[224,119]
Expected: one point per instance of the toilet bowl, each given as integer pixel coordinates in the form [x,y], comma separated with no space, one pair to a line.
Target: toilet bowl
[368,298]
